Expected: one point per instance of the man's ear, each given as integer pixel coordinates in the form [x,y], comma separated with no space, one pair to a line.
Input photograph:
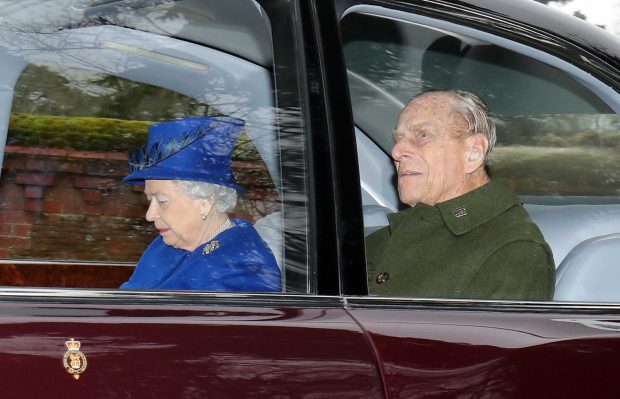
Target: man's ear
[478,145]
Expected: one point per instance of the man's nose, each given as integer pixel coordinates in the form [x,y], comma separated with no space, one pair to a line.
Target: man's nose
[400,151]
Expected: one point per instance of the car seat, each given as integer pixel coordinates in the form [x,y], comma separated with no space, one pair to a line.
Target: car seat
[591,271]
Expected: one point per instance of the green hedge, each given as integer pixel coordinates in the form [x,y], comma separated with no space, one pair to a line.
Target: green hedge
[92,134]
[559,171]
[77,133]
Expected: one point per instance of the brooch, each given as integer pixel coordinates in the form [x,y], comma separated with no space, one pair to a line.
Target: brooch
[460,211]
[382,277]
[210,247]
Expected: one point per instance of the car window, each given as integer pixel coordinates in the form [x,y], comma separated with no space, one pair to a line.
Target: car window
[86,82]
[558,140]
[550,126]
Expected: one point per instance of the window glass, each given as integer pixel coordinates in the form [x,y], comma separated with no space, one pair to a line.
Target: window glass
[86,84]
[558,144]
[551,129]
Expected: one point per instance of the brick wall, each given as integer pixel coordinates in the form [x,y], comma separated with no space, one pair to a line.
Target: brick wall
[72,205]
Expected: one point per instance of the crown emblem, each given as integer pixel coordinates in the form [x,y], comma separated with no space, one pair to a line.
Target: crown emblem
[73,345]
[74,361]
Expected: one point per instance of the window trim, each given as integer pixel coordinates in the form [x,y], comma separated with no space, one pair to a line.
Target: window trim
[159,298]
[486,305]
[600,89]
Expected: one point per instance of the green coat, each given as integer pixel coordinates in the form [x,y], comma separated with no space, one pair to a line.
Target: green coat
[480,245]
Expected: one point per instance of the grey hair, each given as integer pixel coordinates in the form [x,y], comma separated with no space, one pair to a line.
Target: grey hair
[474,111]
[224,198]
[476,114]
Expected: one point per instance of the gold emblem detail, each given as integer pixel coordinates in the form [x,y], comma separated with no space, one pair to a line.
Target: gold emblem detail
[460,211]
[210,247]
[74,360]
[382,277]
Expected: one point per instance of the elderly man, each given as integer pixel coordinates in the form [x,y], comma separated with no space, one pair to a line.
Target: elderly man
[464,236]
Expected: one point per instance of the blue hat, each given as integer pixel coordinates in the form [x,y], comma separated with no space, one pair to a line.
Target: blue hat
[197,149]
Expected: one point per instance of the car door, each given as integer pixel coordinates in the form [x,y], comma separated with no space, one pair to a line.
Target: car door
[81,82]
[179,345]
[555,97]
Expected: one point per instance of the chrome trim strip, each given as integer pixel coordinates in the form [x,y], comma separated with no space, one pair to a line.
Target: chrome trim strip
[35,262]
[472,305]
[165,298]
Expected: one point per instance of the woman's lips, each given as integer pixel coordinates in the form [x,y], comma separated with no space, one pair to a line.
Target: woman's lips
[162,231]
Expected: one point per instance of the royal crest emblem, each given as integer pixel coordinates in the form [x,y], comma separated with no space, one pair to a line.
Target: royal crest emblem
[74,360]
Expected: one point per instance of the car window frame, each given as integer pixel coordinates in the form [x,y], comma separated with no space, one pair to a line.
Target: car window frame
[442,21]
[298,98]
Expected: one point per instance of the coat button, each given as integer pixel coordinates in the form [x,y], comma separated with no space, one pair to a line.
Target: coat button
[382,277]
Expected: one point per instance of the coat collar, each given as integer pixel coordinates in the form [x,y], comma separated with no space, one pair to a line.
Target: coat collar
[465,213]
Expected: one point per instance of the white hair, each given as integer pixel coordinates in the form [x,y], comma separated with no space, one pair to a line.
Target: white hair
[224,198]
[476,113]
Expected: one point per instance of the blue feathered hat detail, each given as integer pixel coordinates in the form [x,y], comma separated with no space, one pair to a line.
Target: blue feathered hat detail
[196,148]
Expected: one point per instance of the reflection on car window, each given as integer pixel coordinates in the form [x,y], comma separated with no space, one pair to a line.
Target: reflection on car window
[88,83]
[550,128]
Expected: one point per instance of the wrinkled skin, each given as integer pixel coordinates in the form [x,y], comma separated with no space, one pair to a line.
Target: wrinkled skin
[435,160]
[178,217]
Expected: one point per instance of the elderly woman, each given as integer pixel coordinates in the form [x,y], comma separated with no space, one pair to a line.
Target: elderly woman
[188,181]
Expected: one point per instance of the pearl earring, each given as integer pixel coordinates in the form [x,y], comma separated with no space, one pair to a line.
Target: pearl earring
[203,216]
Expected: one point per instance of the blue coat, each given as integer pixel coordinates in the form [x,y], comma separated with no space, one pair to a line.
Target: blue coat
[242,262]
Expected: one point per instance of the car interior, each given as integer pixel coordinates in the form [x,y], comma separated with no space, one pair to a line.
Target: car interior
[581,225]
[183,47]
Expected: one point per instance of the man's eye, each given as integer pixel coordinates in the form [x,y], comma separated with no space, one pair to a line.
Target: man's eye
[423,136]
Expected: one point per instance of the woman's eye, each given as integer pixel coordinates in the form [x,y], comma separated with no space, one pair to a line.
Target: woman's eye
[160,201]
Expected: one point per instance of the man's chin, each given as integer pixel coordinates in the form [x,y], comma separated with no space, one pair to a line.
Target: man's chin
[409,200]
[408,195]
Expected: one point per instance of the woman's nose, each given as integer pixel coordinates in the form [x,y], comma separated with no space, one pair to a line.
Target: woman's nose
[151,212]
